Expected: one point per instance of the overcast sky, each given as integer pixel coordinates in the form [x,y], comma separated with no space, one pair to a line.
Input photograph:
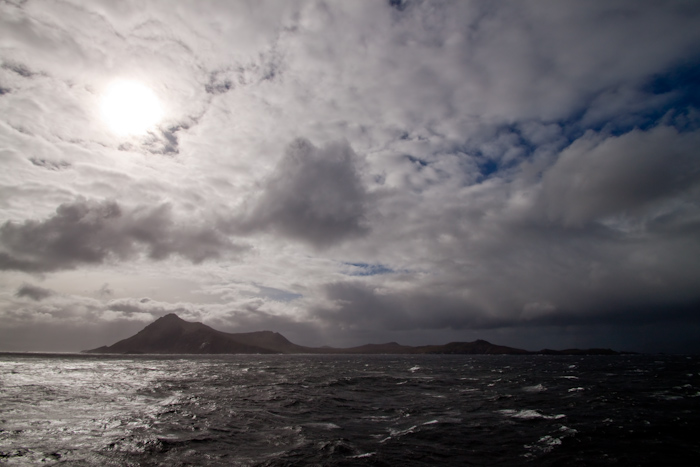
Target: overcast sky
[347,172]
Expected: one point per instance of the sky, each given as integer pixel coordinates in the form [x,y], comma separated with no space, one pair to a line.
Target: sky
[524,172]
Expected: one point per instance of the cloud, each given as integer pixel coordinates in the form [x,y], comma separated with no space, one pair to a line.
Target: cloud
[467,167]
[105,291]
[598,176]
[363,306]
[315,195]
[48,164]
[34,292]
[92,232]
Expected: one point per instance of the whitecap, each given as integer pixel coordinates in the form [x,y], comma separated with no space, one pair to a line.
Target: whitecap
[172,400]
[524,414]
[544,445]
[670,397]
[535,388]
[576,389]
[323,426]
[567,431]
[362,456]
[529,414]
[414,369]
[550,440]
[547,443]
[399,433]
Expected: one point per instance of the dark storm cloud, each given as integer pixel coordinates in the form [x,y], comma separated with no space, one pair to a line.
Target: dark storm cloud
[594,178]
[91,232]
[629,314]
[34,292]
[631,295]
[315,195]
[363,306]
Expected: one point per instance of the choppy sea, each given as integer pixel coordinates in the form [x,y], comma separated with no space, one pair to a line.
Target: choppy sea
[282,410]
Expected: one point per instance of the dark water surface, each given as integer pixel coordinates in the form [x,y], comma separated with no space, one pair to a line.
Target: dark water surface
[349,410]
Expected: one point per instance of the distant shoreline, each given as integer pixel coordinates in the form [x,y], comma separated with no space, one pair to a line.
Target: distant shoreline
[83,354]
[170,334]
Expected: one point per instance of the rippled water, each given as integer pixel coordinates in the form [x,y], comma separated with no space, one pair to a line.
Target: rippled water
[349,410]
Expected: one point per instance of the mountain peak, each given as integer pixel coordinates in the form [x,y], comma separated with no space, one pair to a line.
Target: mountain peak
[172,334]
[170,317]
[169,323]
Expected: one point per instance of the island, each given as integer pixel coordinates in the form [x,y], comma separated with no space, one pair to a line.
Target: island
[170,334]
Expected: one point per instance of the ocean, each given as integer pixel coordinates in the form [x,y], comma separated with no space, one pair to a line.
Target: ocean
[337,410]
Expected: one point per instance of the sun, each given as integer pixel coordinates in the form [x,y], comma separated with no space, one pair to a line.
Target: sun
[130,108]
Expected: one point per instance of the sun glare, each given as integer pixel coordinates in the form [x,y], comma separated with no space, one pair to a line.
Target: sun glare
[130,108]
